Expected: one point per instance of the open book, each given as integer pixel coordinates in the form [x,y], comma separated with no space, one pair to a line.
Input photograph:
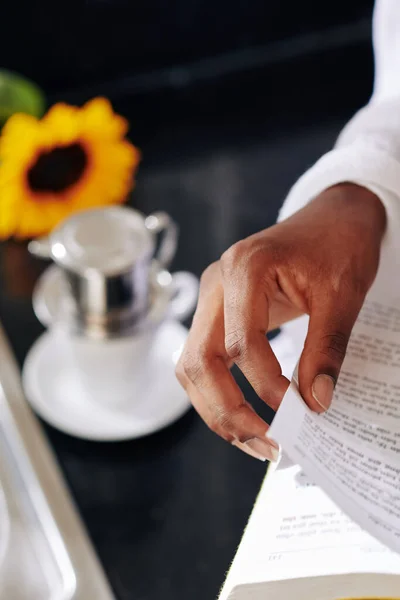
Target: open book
[338,540]
[299,545]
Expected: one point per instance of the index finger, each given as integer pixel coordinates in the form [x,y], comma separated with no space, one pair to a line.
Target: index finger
[246,309]
[203,370]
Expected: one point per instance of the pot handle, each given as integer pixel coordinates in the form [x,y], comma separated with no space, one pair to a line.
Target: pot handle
[185,287]
[160,223]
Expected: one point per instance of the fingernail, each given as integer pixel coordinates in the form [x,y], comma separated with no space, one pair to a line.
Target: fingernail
[261,449]
[322,390]
[248,450]
[265,448]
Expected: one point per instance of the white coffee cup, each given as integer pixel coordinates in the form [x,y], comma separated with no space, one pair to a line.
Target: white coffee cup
[111,369]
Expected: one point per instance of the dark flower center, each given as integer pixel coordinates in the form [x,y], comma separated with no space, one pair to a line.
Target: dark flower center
[57,169]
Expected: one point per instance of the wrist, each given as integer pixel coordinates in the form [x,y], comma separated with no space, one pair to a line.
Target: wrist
[355,204]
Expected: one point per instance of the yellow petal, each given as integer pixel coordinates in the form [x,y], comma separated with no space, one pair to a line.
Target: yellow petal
[19,124]
[98,119]
[61,124]
[9,210]
[19,134]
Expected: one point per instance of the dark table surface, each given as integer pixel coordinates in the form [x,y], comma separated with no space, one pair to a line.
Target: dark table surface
[166,513]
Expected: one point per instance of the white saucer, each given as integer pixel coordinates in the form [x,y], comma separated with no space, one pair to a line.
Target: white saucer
[55,393]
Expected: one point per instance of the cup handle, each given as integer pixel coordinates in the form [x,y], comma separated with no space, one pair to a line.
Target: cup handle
[162,223]
[40,247]
[185,294]
[49,292]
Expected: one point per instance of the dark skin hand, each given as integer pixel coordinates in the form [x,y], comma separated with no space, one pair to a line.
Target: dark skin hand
[321,262]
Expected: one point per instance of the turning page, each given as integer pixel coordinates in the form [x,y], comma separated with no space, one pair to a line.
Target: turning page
[353,451]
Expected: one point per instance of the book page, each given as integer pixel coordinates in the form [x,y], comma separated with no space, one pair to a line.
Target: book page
[353,451]
[347,587]
[296,530]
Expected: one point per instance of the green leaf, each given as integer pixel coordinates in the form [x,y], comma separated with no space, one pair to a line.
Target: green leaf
[18,94]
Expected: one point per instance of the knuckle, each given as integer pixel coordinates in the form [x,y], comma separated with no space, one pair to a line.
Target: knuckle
[251,258]
[264,391]
[351,282]
[272,250]
[232,257]
[180,374]
[226,420]
[236,343]
[267,390]
[191,367]
[334,345]
[221,421]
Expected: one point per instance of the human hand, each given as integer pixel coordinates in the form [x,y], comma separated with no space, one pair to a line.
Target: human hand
[320,262]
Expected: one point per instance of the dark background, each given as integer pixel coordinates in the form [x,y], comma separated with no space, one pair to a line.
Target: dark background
[230,103]
[70,45]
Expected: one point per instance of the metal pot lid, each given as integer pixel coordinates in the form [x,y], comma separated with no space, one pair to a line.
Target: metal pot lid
[107,240]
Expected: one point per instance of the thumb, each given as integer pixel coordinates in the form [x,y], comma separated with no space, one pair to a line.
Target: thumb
[331,322]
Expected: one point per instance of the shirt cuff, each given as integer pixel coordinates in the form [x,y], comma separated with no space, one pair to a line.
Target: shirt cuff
[357,163]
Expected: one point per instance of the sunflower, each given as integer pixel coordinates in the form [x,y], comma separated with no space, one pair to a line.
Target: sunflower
[71,159]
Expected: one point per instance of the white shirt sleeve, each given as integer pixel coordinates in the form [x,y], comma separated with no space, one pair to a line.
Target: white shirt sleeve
[368,149]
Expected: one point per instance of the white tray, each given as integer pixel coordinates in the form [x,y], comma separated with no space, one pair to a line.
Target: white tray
[48,554]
